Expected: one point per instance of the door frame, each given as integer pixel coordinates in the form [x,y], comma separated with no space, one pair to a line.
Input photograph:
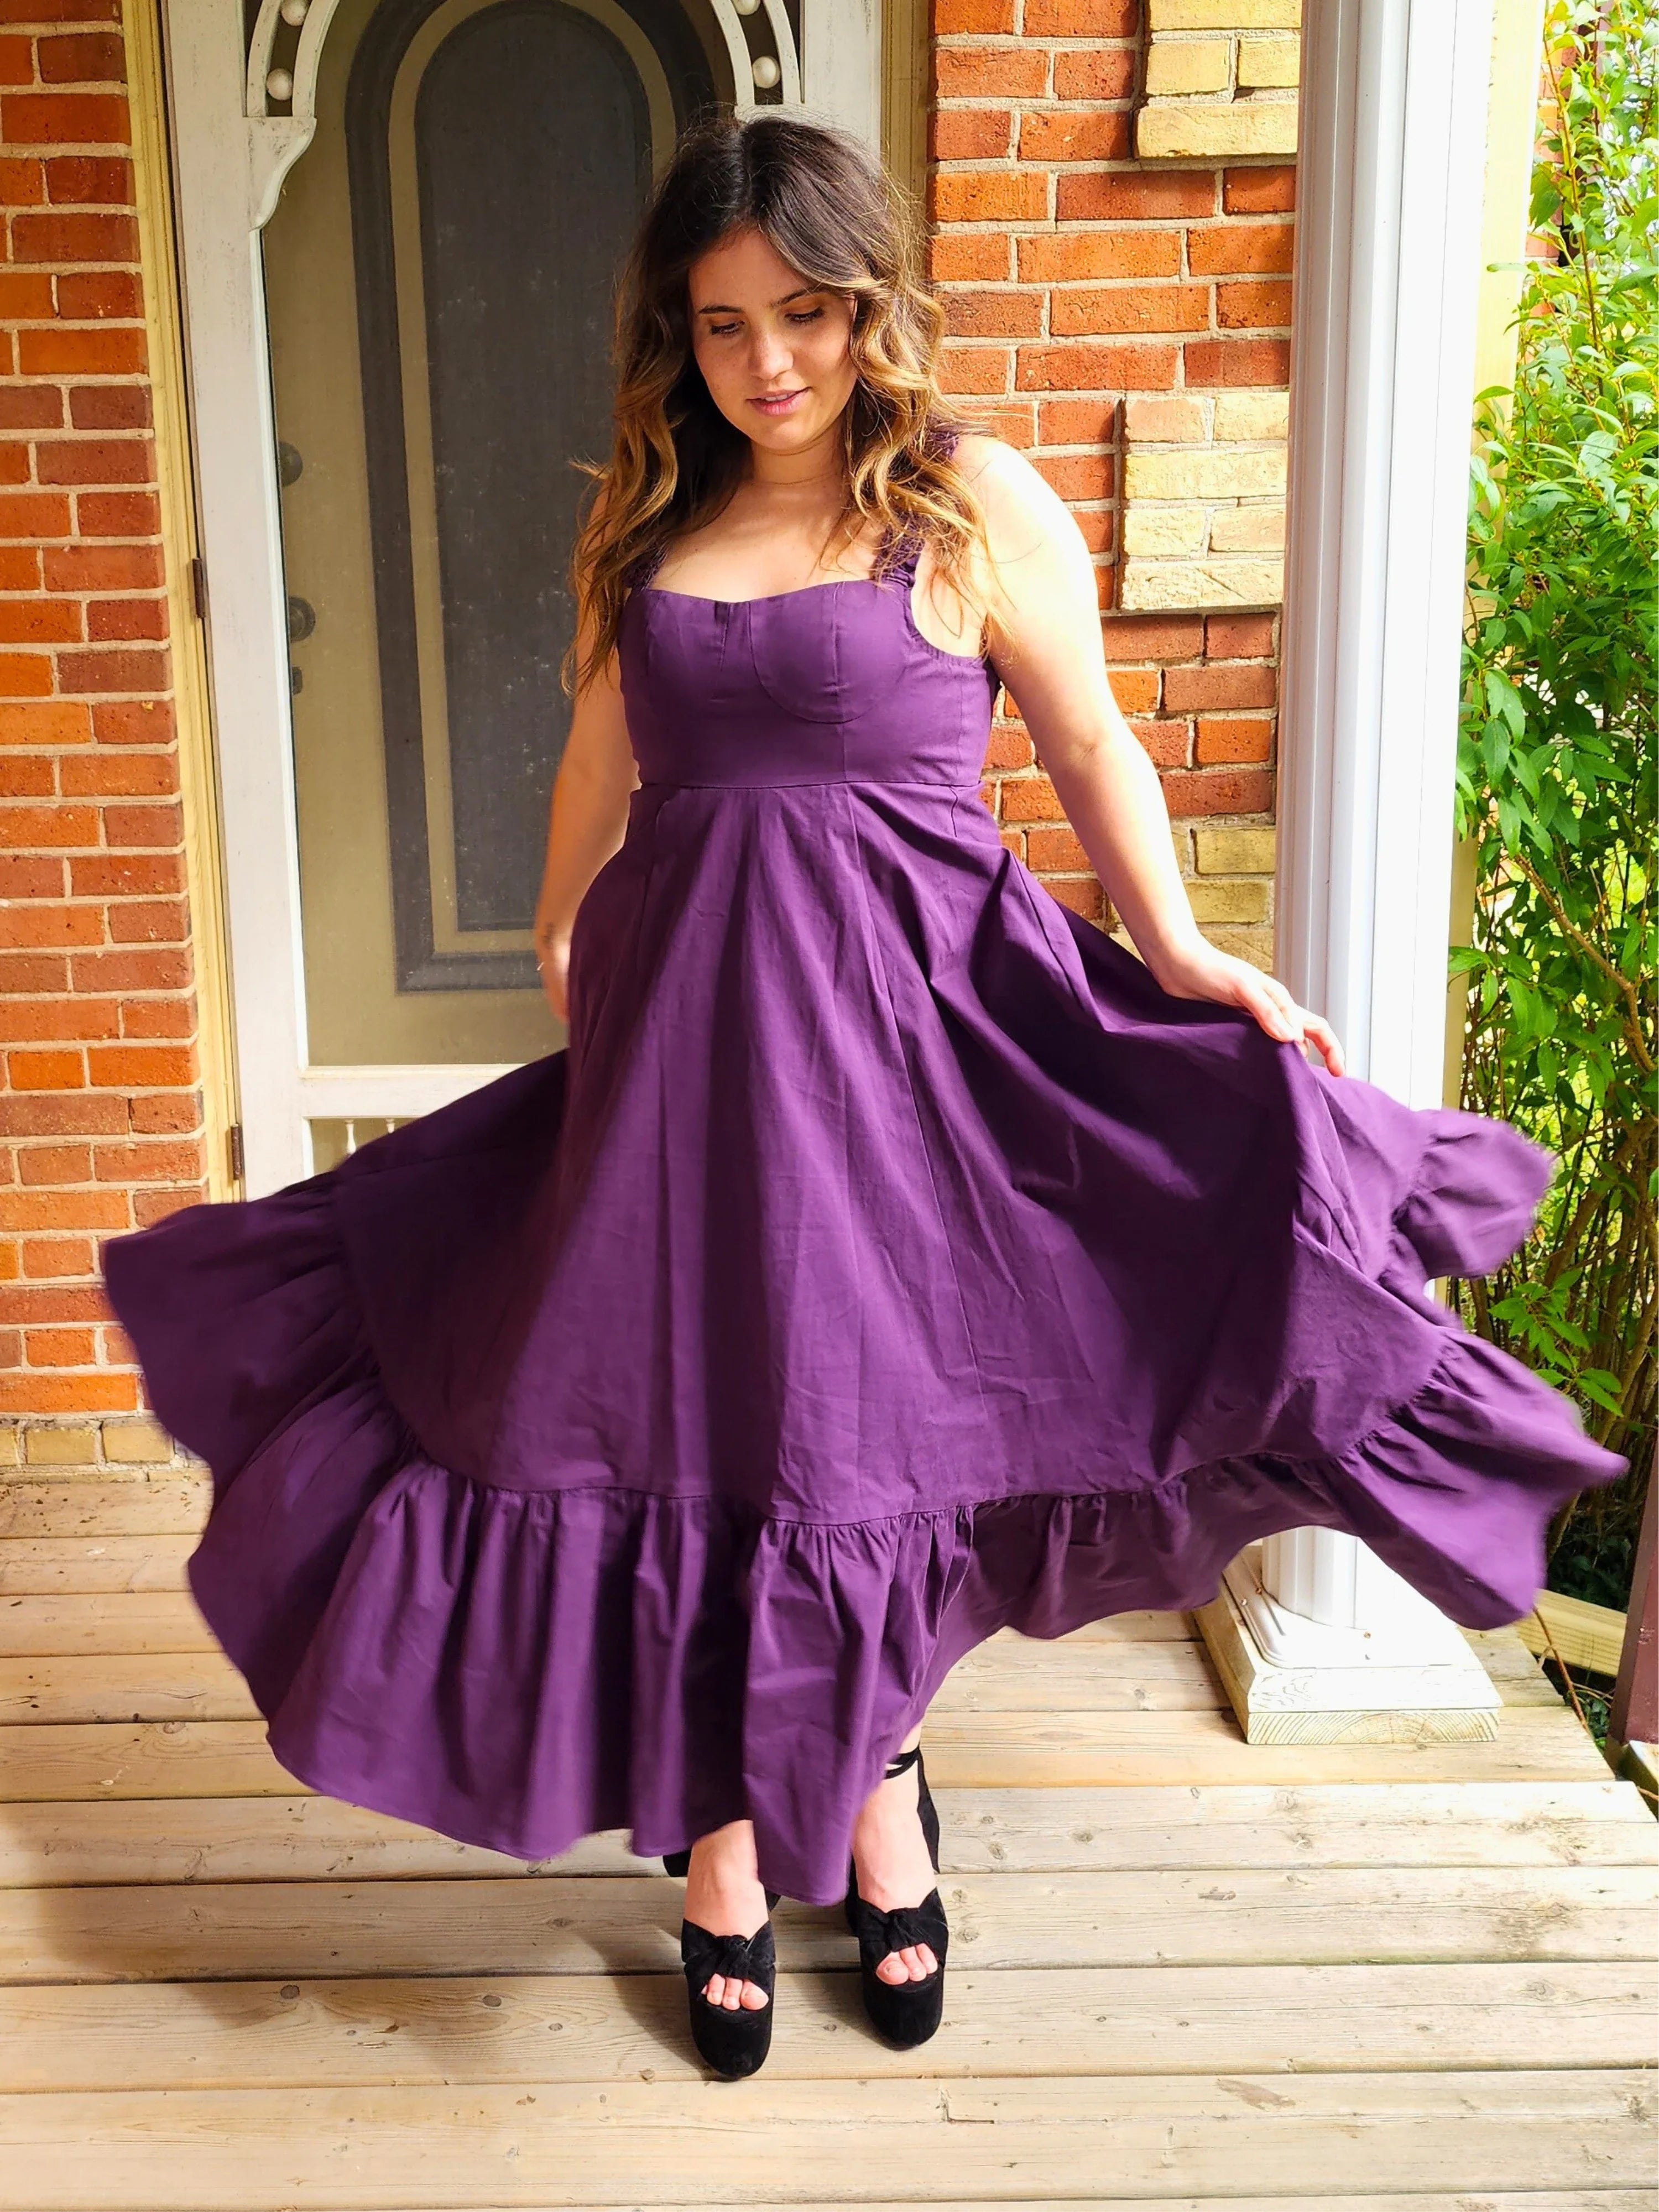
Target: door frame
[234,140]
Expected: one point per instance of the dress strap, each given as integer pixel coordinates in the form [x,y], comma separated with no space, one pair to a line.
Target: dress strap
[645,566]
[907,543]
[905,547]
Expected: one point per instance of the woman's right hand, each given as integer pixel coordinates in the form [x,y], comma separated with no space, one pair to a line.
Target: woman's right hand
[588,819]
[553,965]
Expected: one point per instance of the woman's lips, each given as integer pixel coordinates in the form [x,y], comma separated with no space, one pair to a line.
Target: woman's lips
[778,402]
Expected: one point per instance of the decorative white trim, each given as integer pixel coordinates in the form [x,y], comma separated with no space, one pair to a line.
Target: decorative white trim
[1292,1681]
[789,69]
[275,140]
[1389,191]
[1402,1630]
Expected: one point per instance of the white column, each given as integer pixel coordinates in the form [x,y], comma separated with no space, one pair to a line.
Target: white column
[1316,1636]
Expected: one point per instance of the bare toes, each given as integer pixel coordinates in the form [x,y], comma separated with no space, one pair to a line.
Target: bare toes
[754,1997]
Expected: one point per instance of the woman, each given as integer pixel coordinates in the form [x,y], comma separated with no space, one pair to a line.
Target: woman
[891,1257]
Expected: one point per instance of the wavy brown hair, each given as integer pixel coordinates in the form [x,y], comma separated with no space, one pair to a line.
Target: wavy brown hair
[830,210]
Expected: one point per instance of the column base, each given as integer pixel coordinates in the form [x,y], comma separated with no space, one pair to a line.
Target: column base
[1416,1680]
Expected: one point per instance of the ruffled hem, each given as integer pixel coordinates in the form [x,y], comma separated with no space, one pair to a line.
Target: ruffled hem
[516,1668]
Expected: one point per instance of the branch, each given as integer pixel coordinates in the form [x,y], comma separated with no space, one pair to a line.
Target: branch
[1594,955]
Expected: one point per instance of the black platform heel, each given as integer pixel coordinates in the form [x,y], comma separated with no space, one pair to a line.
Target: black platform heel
[904,2013]
[730,2043]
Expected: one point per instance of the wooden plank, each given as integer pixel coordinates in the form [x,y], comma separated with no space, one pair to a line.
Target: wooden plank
[1124,1627]
[1018,1751]
[145,1759]
[161,1685]
[217,1758]
[1582,1635]
[150,1679]
[42,1566]
[98,1621]
[558,1924]
[631,2142]
[169,1620]
[1099,2020]
[307,1838]
[1014,1675]
[1490,2200]
[176,1505]
[1520,1679]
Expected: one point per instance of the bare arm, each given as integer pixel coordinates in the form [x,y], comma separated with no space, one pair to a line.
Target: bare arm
[586,818]
[1047,648]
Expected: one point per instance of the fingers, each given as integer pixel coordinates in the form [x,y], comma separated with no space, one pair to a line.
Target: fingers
[1324,1040]
[1279,1015]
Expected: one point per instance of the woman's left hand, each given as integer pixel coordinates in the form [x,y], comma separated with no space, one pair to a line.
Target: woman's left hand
[1201,972]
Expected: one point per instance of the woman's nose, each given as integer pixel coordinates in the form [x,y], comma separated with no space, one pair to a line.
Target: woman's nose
[771,354]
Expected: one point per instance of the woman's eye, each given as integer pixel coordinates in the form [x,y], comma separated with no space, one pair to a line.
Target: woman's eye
[813,315]
[722,330]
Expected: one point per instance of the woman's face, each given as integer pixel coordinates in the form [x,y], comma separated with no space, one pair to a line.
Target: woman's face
[773,351]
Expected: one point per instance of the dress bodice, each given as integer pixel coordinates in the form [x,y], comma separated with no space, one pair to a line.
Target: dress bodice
[832,684]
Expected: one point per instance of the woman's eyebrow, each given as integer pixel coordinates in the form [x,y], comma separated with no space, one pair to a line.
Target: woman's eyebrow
[801,292]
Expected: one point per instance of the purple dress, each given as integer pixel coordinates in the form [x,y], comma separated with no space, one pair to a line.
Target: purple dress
[887,1261]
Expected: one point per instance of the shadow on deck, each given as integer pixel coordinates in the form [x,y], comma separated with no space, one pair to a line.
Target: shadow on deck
[1183,1969]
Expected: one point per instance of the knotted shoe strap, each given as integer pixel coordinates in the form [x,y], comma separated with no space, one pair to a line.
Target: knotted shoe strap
[906,1926]
[906,2012]
[732,2043]
[738,1958]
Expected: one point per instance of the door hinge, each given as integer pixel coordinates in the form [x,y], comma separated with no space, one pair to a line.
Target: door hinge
[198,586]
[234,1158]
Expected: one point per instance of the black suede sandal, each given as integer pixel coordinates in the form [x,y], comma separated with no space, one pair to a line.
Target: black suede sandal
[904,2013]
[732,2043]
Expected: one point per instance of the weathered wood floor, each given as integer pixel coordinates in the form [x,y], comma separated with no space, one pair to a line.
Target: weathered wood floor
[1182,1970]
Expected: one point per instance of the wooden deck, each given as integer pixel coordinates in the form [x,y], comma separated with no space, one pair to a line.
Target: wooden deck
[1183,1971]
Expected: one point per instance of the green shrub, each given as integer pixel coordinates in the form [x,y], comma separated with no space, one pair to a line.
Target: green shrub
[1556,766]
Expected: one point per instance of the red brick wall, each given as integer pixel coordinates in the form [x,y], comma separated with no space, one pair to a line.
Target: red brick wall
[99,1114]
[1074,277]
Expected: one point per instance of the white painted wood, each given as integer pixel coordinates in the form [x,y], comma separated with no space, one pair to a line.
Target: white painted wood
[840,64]
[229,370]
[1337,1685]
[390,1094]
[1390,173]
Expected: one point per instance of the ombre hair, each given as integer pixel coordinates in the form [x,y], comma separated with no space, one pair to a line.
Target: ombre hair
[829,207]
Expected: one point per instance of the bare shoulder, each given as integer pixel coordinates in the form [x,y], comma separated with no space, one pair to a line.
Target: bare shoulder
[1027,523]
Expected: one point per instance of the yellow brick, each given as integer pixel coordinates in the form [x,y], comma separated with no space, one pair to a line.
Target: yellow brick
[132,1442]
[1207,130]
[1149,421]
[1155,530]
[1224,15]
[1247,529]
[11,1445]
[60,1447]
[1203,472]
[1245,418]
[1239,900]
[1175,66]
[1171,586]
[1255,945]
[1233,852]
[1268,64]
